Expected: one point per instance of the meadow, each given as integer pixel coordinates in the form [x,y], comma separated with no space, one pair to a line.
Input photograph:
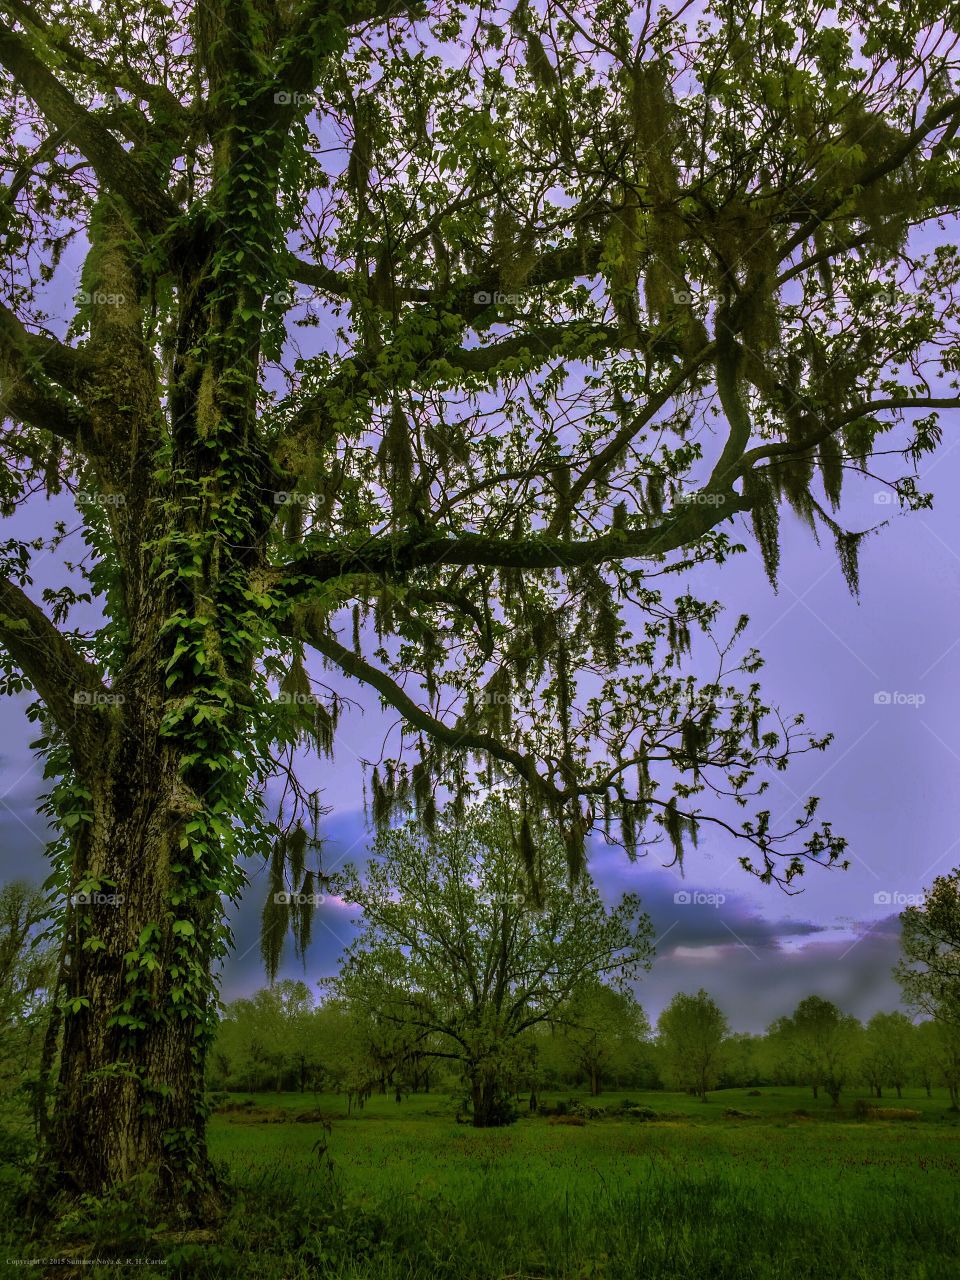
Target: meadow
[785,1189]
[694,1193]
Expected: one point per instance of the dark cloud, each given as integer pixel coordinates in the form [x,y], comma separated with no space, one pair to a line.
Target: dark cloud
[754,988]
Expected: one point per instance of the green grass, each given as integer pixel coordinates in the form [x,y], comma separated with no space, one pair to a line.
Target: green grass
[694,1195]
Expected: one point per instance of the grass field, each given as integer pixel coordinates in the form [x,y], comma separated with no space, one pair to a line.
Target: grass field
[693,1194]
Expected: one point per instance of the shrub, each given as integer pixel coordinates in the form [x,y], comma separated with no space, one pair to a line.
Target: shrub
[643,1113]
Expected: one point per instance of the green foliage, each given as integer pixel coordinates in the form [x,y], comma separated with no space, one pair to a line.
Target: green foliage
[454,951]
[691,1032]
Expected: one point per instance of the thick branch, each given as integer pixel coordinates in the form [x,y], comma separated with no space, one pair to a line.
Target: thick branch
[120,171]
[69,685]
[392,557]
[30,365]
[84,64]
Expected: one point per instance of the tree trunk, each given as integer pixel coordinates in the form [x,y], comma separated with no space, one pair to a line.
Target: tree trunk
[899,1089]
[129,1100]
[484,1099]
[816,1090]
[594,1082]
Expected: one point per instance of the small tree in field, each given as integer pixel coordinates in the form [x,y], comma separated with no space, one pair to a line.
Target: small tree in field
[461,328]
[820,1044]
[937,1055]
[692,1031]
[889,1043]
[453,946]
[604,1031]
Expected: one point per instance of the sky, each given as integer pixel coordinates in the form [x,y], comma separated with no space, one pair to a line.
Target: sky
[890,782]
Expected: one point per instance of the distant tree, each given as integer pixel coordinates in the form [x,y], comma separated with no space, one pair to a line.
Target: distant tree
[929,971]
[692,1031]
[453,943]
[925,1055]
[27,976]
[27,964]
[744,1060]
[346,1065]
[820,1043]
[605,1029]
[889,1050]
[937,1057]
[269,1038]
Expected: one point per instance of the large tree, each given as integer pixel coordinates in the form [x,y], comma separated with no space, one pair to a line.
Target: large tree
[453,946]
[473,327]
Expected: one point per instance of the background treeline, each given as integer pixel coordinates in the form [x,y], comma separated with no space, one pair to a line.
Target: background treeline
[281,1039]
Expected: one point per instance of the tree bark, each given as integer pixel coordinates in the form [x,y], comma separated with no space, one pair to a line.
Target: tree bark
[484,1099]
[130,1095]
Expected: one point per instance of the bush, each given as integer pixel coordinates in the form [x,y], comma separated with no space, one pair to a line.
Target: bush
[643,1113]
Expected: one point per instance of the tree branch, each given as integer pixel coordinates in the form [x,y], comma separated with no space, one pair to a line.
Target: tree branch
[68,684]
[788,448]
[392,557]
[30,365]
[122,172]
[415,715]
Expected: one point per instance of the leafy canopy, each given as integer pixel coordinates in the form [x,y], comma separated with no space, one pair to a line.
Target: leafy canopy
[426,341]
